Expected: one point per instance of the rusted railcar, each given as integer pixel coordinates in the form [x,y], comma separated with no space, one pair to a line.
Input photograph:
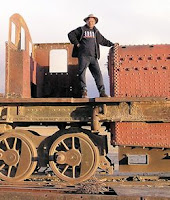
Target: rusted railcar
[45,125]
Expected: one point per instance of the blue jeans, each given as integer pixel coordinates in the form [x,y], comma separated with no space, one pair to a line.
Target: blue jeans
[92,63]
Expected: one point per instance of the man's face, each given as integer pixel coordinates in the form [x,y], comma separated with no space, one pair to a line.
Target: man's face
[91,22]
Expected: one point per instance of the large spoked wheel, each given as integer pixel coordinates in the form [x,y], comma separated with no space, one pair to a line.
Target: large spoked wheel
[17,156]
[74,157]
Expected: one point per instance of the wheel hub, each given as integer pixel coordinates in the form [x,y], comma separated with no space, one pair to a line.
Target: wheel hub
[11,157]
[74,157]
[71,157]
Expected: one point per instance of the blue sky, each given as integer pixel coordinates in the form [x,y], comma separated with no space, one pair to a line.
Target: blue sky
[127,22]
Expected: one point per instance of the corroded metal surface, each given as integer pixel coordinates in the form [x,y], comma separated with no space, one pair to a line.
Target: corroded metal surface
[49,114]
[73,109]
[139,111]
[142,134]
[144,160]
[41,52]
[44,100]
[140,71]
[18,58]
[135,72]
[55,84]
[28,66]
[80,100]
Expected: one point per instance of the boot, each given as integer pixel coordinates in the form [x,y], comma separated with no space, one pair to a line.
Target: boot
[84,94]
[103,94]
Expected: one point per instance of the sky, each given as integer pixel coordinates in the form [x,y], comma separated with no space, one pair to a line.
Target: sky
[128,22]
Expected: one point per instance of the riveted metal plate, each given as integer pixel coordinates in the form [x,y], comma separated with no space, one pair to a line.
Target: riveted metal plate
[140,71]
[142,134]
[50,113]
[139,111]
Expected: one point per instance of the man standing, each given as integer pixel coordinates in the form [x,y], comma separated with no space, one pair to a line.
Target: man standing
[86,40]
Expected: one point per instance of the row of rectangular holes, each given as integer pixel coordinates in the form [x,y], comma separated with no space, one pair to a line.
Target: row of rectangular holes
[149,58]
[137,69]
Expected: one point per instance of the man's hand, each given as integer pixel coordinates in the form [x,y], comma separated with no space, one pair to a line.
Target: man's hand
[116,44]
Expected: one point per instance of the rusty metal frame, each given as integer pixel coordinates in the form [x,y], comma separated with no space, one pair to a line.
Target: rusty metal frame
[18,61]
[82,110]
[155,156]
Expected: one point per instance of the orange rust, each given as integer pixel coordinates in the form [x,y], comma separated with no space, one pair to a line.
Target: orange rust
[142,134]
[140,71]
[17,60]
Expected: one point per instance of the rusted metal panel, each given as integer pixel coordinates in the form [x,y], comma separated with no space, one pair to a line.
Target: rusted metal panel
[5,101]
[76,109]
[61,85]
[129,99]
[18,59]
[142,134]
[53,87]
[157,159]
[56,84]
[49,113]
[28,74]
[140,71]
[139,111]
[14,81]
[98,101]
[74,82]
[18,77]
[41,52]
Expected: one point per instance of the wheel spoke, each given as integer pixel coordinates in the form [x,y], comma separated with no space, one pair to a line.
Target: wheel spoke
[80,157]
[9,171]
[64,144]
[6,143]
[15,165]
[65,169]
[18,156]
[74,171]
[73,143]
[15,143]
[2,166]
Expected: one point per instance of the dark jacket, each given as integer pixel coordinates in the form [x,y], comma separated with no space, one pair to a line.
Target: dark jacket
[76,35]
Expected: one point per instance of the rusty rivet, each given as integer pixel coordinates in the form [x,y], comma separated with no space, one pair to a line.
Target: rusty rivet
[149,58]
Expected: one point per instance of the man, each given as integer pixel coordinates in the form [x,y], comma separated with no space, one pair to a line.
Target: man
[86,42]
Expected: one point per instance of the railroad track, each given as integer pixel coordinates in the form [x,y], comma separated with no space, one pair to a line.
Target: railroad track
[117,188]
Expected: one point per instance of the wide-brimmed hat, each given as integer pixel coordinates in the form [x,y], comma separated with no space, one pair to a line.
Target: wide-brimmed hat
[89,16]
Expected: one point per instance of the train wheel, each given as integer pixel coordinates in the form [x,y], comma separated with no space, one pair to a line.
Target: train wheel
[74,157]
[17,155]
